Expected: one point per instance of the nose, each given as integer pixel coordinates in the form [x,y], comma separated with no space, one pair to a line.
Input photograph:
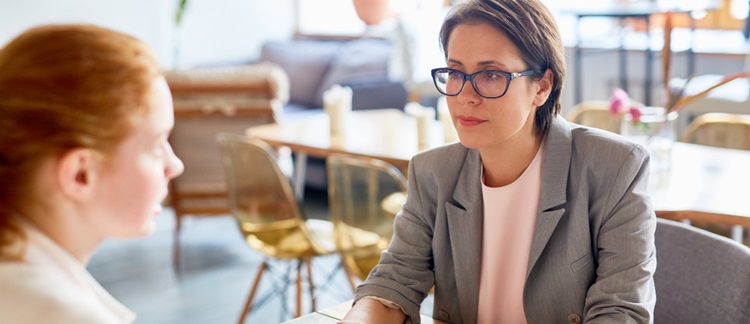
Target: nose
[174,166]
[468,94]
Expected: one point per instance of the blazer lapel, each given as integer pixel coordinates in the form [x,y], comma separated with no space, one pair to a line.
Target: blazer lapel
[465,228]
[554,185]
[465,215]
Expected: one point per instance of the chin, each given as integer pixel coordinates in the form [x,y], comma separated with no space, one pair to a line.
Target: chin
[145,229]
[469,143]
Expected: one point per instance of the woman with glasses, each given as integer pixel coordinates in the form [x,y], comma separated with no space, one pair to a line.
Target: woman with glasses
[85,114]
[529,219]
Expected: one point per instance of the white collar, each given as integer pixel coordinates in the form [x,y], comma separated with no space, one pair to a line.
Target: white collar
[43,251]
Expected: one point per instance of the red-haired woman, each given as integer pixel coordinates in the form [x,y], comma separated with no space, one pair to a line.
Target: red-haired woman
[85,114]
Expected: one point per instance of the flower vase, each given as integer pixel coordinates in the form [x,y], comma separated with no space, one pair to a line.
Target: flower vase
[655,130]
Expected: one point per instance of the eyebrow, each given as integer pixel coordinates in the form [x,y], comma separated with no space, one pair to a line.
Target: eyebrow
[482,63]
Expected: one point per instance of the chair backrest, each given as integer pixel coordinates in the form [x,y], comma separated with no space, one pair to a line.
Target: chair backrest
[719,129]
[209,101]
[261,199]
[357,188]
[700,277]
[594,114]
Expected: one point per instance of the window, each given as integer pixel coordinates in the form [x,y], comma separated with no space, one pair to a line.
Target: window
[327,17]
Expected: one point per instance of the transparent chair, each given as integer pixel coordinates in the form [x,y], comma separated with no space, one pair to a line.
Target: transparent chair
[595,114]
[263,203]
[361,193]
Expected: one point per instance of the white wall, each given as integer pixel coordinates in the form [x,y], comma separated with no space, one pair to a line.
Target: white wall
[214,31]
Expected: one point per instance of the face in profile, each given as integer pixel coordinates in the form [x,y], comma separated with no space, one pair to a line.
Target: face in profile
[134,180]
[482,122]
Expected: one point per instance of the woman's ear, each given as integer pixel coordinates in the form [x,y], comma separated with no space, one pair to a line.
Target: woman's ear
[77,172]
[545,87]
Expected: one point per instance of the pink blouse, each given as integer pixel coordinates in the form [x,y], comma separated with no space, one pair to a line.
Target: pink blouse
[509,216]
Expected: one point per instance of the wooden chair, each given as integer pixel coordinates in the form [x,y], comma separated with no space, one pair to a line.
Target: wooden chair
[594,114]
[357,189]
[701,277]
[262,201]
[208,102]
[719,129]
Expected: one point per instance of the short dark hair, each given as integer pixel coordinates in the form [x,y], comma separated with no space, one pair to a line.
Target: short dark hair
[532,28]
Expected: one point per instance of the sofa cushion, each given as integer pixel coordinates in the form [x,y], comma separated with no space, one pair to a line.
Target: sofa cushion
[361,59]
[306,62]
[369,94]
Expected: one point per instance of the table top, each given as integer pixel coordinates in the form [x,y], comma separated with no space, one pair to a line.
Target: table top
[705,179]
[701,178]
[386,134]
[335,313]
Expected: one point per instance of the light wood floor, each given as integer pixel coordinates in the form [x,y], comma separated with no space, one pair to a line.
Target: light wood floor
[214,279]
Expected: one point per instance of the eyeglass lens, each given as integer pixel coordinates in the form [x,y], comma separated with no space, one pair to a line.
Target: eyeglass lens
[486,83]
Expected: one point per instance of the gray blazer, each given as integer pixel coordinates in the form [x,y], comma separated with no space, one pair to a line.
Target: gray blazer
[592,254]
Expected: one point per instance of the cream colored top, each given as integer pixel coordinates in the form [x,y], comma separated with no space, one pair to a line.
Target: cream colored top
[51,286]
[509,216]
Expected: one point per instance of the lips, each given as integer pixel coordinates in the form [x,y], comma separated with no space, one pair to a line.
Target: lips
[157,206]
[468,121]
[157,209]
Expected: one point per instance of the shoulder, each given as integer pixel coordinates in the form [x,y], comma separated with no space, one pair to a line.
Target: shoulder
[443,165]
[434,175]
[26,289]
[606,162]
[571,146]
[598,145]
[441,158]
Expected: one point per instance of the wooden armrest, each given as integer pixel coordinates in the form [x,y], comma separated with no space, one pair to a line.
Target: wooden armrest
[699,216]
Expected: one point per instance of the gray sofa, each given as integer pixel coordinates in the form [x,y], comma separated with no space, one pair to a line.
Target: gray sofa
[314,65]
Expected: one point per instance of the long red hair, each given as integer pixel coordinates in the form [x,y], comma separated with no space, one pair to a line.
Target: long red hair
[64,87]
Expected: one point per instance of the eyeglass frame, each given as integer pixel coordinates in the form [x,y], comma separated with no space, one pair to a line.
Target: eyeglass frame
[509,76]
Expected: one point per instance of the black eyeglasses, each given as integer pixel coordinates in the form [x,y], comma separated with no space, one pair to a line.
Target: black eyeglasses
[488,84]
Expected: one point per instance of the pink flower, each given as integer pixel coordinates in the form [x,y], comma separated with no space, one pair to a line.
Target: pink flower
[635,113]
[619,103]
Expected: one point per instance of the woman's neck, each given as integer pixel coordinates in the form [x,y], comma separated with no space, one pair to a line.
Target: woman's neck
[65,231]
[505,163]
[65,221]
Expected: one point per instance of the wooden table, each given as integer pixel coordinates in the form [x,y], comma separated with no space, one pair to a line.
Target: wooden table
[703,183]
[335,313]
[386,134]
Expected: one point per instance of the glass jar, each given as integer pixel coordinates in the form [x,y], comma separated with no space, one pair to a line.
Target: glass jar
[654,129]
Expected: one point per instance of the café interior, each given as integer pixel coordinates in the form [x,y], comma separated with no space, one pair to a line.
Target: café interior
[308,112]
